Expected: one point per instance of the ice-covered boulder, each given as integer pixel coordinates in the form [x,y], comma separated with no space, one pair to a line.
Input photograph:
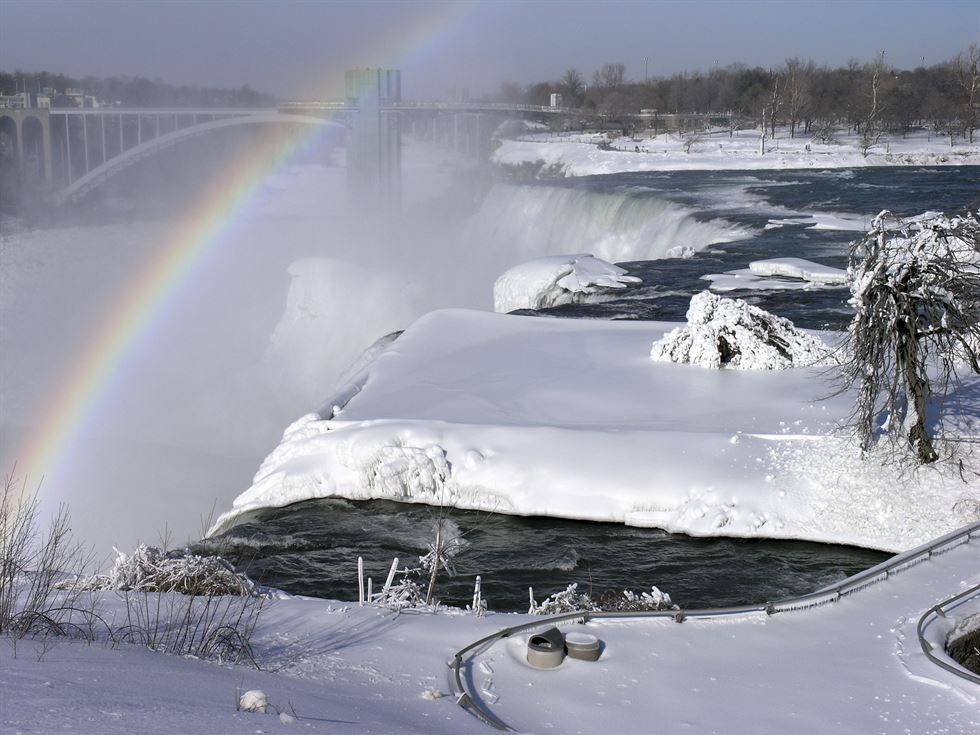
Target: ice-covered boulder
[559,279]
[724,332]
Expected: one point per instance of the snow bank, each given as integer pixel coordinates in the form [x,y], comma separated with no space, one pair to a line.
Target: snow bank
[561,279]
[580,155]
[570,418]
[730,333]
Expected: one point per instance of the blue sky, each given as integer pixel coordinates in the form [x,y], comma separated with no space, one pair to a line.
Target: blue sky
[299,48]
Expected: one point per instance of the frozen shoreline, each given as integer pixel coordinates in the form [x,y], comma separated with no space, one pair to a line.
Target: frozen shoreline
[578,154]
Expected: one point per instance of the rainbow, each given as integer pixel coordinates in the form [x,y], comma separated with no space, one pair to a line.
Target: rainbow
[149,295]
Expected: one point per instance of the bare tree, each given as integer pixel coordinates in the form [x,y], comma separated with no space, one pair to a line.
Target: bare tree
[916,288]
[612,75]
[798,75]
[967,70]
[871,126]
[775,102]
[572,87]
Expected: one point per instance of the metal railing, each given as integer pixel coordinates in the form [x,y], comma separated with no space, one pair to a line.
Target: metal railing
[825,595]
[939,611]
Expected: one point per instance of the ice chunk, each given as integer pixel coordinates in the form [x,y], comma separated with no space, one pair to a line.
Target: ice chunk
[560,279]
[805,270]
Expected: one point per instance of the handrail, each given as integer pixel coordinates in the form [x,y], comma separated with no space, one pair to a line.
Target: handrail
[832,593]
[939,610]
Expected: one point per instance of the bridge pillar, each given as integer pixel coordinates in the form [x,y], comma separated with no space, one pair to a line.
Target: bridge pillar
[374,152]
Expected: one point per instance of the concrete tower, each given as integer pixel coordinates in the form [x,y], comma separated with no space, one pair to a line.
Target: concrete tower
[374,154]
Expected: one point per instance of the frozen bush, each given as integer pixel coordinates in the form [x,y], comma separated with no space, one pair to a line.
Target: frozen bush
[730,333]
[571,600]
[148,569]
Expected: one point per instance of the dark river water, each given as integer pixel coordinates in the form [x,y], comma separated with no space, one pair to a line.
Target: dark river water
[311,548]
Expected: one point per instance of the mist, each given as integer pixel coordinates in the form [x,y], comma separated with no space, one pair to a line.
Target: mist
[259,332]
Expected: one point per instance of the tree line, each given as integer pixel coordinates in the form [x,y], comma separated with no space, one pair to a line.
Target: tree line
[800,94]
[134,91]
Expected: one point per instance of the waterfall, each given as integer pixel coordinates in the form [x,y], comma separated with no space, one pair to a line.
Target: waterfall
[537,220]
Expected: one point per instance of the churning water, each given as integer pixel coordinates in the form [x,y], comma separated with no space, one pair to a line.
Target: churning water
[311,548]
[728,219]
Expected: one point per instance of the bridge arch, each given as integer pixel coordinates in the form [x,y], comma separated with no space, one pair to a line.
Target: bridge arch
[81,186]
[10,139]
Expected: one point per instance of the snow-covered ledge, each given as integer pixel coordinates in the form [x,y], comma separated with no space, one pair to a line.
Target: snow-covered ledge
[570,418]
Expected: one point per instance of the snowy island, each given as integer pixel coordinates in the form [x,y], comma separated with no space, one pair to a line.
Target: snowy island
[589,154]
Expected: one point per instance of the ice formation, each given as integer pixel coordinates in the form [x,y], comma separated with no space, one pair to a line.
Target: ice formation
[805,270]
[779,274]
[731,333]
[560,279]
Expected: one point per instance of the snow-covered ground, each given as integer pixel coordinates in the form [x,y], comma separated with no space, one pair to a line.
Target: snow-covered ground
[854,666]
[573,419]
[578,154]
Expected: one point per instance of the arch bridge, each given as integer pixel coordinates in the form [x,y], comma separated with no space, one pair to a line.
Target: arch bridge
[70,151]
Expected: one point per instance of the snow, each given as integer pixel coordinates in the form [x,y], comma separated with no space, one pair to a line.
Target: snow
[561,279]
[733,334]
[791,274]
[572,419]
[578,154]
[768,674]
[339,668]
[806,270]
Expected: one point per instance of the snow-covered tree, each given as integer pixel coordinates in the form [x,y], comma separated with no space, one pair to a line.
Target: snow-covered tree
[915,285]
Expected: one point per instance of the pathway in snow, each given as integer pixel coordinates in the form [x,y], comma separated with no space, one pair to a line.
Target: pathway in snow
[855,666]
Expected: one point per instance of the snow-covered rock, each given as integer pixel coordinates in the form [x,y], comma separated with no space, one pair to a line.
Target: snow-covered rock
[731,333]
[254,700]
[560,279]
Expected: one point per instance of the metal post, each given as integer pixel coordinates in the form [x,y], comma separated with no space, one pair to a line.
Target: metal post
[102,126]
[156,126]
[85,140]
[68,146]
[139,129]
[120,134]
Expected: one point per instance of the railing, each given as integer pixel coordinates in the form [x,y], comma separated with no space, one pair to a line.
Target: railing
[939,611]
[828,594]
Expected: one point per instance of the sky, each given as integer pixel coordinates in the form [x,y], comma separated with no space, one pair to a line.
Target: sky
[298,49]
